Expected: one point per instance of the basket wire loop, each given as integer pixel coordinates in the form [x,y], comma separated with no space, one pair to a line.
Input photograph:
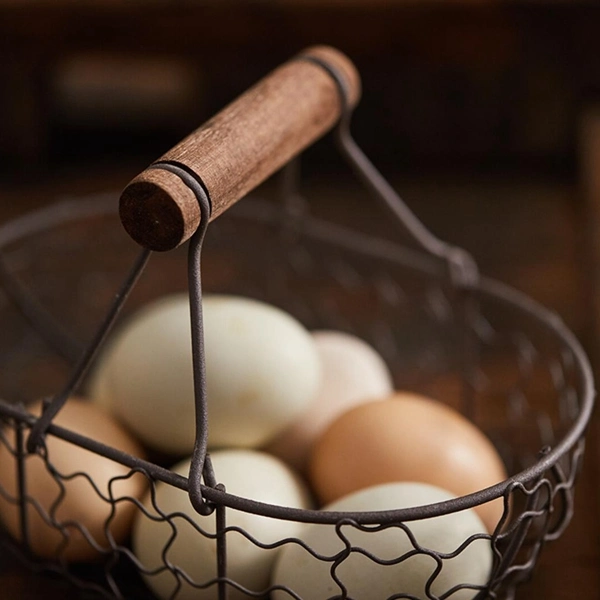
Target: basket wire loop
[538,486]
[462,269]
[51,409]
[200,462]
[462,266]
[201,466]
[517,532]
[565,489]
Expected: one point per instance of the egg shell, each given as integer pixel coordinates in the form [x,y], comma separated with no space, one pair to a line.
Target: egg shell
[352,373]
[311,578]
[145,376]
[248,473]
[81,504]
[262,370]
[406,437]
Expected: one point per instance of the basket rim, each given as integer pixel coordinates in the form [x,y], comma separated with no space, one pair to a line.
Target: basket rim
[72,209]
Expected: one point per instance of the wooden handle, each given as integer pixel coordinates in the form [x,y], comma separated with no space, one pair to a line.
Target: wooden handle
[240,147]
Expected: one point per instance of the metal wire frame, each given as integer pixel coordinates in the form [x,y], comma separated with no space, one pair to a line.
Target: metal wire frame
[540,483]
[546,486]
[383,250]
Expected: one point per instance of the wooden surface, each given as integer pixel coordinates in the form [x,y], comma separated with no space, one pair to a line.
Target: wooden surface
[241,146]
[525,232]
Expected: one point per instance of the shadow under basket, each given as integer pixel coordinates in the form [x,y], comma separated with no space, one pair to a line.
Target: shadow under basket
[488,351]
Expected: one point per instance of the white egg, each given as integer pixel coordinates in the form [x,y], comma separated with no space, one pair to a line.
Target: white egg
[246,473]
[352,373]
[262,371]
[145,376]
[311,578]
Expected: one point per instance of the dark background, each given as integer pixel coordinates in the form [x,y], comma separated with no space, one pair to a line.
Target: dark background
[471,85]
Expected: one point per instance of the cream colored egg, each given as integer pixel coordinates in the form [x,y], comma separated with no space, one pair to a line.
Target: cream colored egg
[76,501]
[246,473]
[262,370]
[145,376]
[311,578]
[352,373]
[261,365]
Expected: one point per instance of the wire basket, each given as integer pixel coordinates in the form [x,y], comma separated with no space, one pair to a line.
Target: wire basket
[507,363]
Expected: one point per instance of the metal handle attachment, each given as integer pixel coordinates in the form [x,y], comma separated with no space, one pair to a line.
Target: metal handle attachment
[240,147]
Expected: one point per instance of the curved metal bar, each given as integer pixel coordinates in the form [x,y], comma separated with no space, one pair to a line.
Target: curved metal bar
[454,263]
[200,463]
[51,409]
[462,266]
[487,289]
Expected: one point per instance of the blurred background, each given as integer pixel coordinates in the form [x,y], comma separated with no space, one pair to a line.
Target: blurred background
[484,114]
[474,85]
[468,84]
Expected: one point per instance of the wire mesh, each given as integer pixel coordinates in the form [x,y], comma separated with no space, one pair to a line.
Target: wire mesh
[529,390]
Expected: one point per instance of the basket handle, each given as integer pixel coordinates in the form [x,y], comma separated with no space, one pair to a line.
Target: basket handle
[240,147]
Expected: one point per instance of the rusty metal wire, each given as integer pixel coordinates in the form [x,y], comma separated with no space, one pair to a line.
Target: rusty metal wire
[503,360]
[401,301]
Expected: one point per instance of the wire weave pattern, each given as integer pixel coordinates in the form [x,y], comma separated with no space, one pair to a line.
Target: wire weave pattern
[527,387]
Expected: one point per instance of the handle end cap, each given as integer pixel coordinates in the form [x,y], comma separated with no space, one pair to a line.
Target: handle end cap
[158,210]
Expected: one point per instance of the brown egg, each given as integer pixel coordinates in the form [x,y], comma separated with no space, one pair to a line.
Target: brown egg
[406,437]
[81,503]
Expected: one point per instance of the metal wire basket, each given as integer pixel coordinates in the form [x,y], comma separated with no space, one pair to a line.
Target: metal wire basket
[506,362]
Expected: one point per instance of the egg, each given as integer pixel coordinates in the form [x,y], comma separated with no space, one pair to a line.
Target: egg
[262,370]
[352,373]
[81,511]
[144,377]
[406,437]
[248,473]
[311,578]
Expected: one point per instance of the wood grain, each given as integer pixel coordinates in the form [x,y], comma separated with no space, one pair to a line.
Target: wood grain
[240,147]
